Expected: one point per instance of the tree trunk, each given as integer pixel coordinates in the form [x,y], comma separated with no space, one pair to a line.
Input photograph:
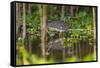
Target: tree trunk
[29,8]
[43,19]
[24,23]
[94,21]
[18,14]
[71,11]
[30,40]
[94,26]
[24,27]
[18,31]
[62,13]
[77,8]
[61,34]
[17,26]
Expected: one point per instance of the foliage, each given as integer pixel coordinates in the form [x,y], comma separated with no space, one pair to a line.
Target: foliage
[80,29]
[72,59]
[90,57]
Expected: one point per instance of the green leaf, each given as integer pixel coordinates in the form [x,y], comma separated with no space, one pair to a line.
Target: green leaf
[71,59]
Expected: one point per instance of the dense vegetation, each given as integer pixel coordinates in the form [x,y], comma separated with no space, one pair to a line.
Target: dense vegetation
[77,43]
